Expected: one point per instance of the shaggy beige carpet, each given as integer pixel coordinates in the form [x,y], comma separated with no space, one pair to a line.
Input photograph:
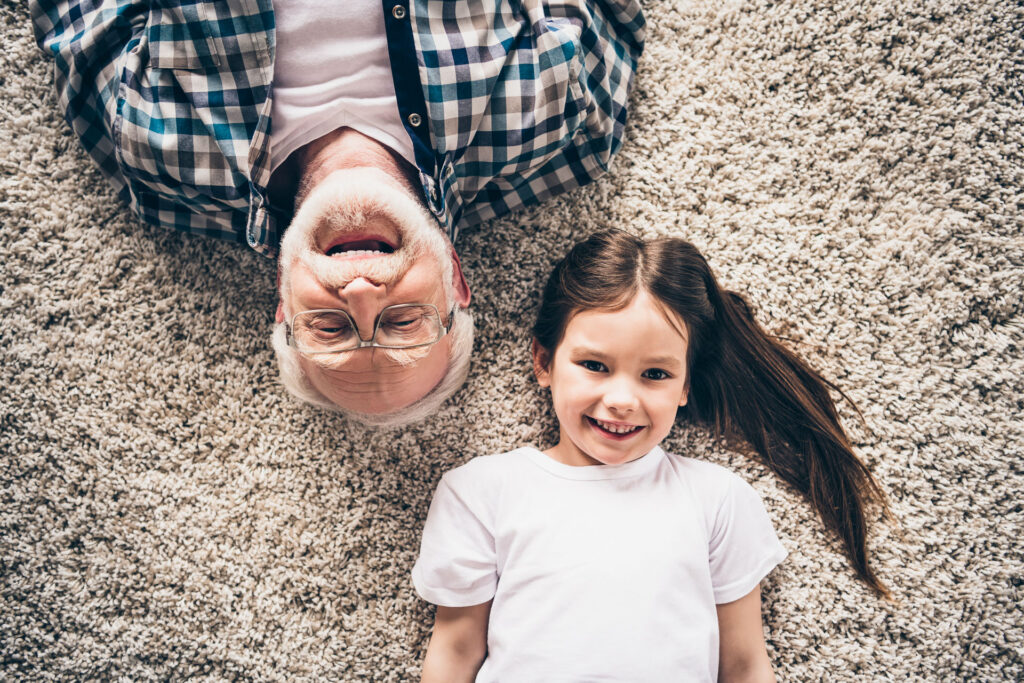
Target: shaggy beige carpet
[856,167]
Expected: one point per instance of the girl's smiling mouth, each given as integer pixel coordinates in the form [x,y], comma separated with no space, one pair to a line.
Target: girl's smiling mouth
[613,430]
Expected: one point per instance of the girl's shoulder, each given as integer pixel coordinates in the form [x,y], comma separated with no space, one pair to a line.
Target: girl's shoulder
[699,468]
[707,479]
[484,470]
[731,508]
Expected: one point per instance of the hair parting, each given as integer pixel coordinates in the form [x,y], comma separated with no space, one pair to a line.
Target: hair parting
[743,383]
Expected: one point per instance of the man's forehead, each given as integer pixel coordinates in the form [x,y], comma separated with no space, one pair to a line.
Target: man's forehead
[370,381]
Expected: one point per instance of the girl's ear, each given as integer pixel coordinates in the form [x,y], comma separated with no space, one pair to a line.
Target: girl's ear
[686,390]
[541,363]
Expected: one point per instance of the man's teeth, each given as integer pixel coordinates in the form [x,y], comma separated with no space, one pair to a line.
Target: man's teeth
[359,252]
[616,429]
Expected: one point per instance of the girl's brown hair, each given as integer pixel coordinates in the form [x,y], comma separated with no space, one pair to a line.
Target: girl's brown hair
[742,382]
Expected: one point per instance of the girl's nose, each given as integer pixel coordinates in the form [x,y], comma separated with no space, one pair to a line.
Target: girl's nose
[621,398]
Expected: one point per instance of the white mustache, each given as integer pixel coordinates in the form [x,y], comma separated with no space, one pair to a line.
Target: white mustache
[343,203]
[338,273]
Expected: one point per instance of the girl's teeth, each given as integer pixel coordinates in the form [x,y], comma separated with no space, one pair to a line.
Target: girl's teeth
[617,429]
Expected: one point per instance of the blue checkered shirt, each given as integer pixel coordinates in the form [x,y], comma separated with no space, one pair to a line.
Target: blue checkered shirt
[506,103]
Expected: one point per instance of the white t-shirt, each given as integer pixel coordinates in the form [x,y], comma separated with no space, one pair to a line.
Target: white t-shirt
[605,573]
[332,69]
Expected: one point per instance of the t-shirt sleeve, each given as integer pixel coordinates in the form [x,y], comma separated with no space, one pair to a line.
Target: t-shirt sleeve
[457,565]
[743,546]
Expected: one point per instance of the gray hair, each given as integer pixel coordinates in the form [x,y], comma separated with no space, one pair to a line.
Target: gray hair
[460,350]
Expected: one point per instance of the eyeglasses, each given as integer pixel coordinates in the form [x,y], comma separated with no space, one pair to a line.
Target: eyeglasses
[401,326]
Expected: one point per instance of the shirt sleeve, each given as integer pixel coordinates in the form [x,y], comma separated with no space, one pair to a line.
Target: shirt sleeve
[170,100]
[89,42]
[743,546]
[457,565]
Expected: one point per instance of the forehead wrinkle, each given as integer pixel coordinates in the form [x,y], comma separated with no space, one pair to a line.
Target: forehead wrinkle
[390,364]
[388,371]
[372,386]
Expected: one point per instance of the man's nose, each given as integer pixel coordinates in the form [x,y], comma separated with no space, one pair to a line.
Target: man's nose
[363,301]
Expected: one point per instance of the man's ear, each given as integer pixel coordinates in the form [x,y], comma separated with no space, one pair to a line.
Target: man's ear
[541,363]
[279,316]
[462,293]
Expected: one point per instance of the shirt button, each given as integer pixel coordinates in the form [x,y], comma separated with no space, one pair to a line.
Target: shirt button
[398,12]
[415,120]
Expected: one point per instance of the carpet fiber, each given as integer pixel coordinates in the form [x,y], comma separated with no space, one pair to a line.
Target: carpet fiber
[855,167]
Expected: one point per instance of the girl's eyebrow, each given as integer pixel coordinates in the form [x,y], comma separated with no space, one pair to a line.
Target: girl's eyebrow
[662,360]
[578,351]
[669,360]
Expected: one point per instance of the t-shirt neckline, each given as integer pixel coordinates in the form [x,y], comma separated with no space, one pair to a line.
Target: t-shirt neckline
[633,468]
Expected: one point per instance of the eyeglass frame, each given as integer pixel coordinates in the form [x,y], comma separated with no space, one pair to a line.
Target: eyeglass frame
[371,343]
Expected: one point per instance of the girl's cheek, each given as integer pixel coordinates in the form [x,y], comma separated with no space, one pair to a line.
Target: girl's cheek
[575,377]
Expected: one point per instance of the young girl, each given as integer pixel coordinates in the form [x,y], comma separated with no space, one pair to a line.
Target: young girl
[603,557]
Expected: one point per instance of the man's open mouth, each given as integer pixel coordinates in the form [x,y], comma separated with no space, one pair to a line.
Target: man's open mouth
[361,246]
[613,429]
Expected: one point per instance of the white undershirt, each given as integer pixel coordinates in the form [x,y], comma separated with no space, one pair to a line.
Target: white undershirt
[332,70]
[609,572]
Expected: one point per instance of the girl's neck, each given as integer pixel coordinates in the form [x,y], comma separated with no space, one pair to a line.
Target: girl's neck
[567,453]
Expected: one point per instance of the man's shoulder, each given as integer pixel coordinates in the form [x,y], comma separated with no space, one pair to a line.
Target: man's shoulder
[552,96]
[171,111]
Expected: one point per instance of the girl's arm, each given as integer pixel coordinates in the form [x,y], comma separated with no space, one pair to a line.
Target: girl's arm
[458,644]
[742,655]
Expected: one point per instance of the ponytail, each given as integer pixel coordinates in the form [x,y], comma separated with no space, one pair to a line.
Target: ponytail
[742,383]
[746,384]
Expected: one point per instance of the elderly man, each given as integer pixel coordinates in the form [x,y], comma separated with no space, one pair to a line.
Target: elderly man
[374,130]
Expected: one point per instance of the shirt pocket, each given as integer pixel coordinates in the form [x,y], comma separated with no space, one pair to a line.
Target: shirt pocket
[562,102]
[178,36]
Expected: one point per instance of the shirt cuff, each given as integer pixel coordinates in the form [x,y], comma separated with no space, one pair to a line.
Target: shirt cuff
[445,597]
[734,590]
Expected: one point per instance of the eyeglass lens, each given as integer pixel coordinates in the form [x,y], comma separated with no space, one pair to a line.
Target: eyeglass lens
[399,326]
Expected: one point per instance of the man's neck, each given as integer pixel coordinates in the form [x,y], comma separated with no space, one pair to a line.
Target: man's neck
[341,148]
[348,148]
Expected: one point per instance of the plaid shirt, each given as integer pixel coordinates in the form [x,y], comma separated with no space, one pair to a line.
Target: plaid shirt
[505,106]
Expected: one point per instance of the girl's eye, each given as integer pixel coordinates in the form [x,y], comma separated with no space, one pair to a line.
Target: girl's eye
[593,365]
[656,373]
